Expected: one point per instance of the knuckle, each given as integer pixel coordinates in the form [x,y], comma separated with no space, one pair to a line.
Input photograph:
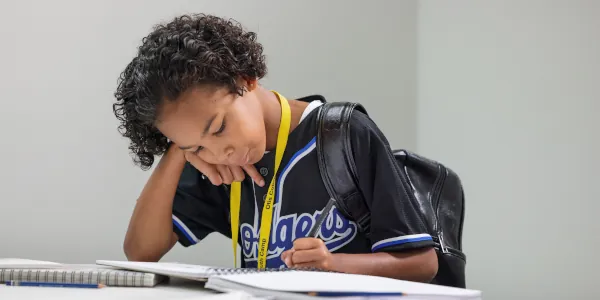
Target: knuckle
[226,179]
[212,174]
[238,173]
[298,242]
[323,252]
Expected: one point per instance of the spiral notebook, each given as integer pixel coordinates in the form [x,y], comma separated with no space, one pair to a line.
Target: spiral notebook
[89,275]
[187,271]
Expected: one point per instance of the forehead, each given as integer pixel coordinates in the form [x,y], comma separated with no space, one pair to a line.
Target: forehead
[191,111]
[196,103]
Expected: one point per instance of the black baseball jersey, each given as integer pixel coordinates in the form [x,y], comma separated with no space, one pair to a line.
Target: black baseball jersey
[199,208]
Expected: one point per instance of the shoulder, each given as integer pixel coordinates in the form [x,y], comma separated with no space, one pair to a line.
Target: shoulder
[362,129]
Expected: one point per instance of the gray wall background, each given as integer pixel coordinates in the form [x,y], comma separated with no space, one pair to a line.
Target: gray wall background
[505,93]
[508,96]
[68,183]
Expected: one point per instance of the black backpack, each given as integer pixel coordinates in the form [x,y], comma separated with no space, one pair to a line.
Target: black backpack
[436,189]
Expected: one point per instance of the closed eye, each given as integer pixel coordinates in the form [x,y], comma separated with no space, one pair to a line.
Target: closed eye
[198,149]
[221,129]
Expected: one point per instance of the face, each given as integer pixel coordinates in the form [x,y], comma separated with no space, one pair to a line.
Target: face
[218,126]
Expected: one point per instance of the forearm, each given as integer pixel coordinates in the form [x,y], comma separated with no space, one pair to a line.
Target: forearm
[418,265]
[150,233]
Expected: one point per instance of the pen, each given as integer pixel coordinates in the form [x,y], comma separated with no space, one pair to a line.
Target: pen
[54,284]
[315,229]
[355,294]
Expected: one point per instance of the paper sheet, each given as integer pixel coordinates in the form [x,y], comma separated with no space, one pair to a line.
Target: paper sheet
[164,268]
[302,281]
[19,263]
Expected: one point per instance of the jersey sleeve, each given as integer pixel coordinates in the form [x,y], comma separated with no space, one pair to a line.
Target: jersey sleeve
[396,223]
[199,208]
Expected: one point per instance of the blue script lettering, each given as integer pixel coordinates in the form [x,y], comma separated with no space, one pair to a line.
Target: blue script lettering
[336,232]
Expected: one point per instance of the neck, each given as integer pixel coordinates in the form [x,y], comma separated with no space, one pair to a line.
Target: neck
[272,115]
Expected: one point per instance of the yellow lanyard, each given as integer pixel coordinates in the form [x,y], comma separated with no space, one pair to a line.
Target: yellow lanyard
[267,212]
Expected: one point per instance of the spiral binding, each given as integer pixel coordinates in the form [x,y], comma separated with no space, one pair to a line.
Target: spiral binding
[232,271]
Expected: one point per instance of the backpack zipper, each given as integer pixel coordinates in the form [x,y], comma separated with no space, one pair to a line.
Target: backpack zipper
[436,195]
[436,198]
[442,246]
[437,190]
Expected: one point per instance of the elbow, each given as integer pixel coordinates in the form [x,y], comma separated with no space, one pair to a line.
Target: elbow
[429,266]
[136,253]
[417,265]
[130,252]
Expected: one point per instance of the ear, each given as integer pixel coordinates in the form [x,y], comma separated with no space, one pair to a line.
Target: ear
[251,84]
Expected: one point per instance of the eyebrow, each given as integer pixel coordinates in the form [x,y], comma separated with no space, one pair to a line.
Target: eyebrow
[206,129]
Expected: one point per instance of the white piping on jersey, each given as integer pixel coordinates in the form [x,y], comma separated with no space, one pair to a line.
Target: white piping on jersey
[295,159]
[311,106]
[185,230]
[411,238]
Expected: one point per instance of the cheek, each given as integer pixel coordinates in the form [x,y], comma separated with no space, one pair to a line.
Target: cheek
[251,129]
[208,157]
[251,126]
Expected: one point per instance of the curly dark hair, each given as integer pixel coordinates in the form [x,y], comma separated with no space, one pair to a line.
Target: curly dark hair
[191,50]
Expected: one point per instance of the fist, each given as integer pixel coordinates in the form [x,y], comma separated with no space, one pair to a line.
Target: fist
[308,253]
[223,174]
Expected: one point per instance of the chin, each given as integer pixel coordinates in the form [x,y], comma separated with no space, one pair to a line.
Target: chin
[256,155]
[256,158]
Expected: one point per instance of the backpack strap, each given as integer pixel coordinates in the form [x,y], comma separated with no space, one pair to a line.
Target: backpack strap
[336,161]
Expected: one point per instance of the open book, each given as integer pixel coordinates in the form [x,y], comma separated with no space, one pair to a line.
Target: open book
[298,283]
[311,285]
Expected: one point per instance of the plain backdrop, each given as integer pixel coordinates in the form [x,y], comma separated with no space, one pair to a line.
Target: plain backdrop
[68,182]
[503,92]
[509,95]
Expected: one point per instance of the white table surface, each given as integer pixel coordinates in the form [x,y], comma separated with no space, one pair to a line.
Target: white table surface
[175,289]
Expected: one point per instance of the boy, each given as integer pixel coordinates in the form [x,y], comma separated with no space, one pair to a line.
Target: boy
[192,96]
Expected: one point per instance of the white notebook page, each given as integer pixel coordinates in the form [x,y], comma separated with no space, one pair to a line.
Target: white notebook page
[19,263]
[302,281]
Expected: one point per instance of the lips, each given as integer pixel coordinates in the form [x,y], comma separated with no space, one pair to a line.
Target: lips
[243,160]
[246,158]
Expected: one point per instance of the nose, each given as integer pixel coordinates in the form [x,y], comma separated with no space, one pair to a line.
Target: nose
[227,152]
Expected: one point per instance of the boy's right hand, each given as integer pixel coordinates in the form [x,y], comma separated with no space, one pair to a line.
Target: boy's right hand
[223,174]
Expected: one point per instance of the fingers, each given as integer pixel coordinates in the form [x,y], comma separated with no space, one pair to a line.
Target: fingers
[238,173]
[308,243]
[312,255]
[225,173]
[286,257]
[312,264]
[205,168]
[253,173]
